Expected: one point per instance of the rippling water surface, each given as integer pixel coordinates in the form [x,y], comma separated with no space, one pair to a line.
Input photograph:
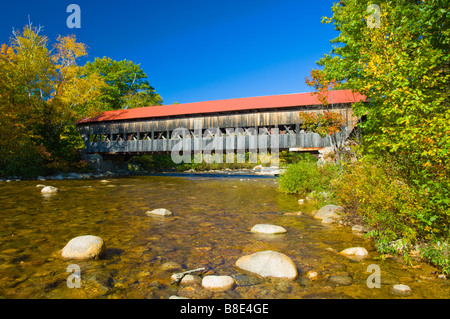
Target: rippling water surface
[209,228]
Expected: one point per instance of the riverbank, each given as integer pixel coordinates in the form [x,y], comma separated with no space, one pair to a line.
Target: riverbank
[256,172]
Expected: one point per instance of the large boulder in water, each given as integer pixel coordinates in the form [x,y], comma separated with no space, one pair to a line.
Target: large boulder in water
[269,264]
[84,247]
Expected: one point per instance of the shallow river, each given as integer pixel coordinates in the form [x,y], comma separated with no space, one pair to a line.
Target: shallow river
[210,228]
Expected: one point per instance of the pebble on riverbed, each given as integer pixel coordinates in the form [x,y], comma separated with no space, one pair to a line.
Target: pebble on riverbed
[312,275]
[159,212]
[267,229]
[190,280]
[341,280]
[401,290]
[359,229]
[218,283]
[49,190]
[355,252]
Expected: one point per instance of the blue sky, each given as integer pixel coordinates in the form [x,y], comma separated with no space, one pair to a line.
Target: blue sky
[195,50]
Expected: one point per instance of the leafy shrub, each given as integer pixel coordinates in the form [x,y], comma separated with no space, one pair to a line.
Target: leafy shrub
[393,209]
[438,253]
[287,158]
[385,202]
[154,162]
[305,177]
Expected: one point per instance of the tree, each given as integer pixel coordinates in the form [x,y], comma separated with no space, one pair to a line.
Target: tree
[402,67]
[321,85]
[41,94]
[127,84]
[329,123]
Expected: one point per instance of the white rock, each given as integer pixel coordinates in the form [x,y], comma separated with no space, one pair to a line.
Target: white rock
[401,289]
[268,264]
[267,229]
[355,252]
[49,190]
[218,283]
[84,247]
[312,275]
[160,212]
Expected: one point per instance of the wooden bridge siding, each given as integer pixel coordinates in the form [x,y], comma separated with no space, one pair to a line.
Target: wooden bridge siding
[285,141]
[274,118]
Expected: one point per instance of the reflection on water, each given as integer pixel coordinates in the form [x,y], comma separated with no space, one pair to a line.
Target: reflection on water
[209,228]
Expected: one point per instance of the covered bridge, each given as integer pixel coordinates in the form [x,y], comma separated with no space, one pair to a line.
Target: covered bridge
[150,129]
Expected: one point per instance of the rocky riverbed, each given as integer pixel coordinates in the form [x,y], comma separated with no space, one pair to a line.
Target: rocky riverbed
[209,228]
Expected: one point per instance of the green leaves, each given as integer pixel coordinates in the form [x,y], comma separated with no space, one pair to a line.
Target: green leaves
[44,91]
[127,85]
[403,69]
[305,176]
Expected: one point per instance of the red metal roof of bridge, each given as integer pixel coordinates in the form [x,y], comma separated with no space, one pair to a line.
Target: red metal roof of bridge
[230,105]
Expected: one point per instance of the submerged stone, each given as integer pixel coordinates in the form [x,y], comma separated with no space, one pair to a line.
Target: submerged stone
[328,211]
[267,229]
[401,289]
[160,212]
[342,280]
[49,190]
[355,252]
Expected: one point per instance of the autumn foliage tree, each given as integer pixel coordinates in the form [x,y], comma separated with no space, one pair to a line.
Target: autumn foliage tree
[402,66]
[321,85]
[328,123]
[42,93]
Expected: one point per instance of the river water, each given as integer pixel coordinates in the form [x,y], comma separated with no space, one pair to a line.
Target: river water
[210,228]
